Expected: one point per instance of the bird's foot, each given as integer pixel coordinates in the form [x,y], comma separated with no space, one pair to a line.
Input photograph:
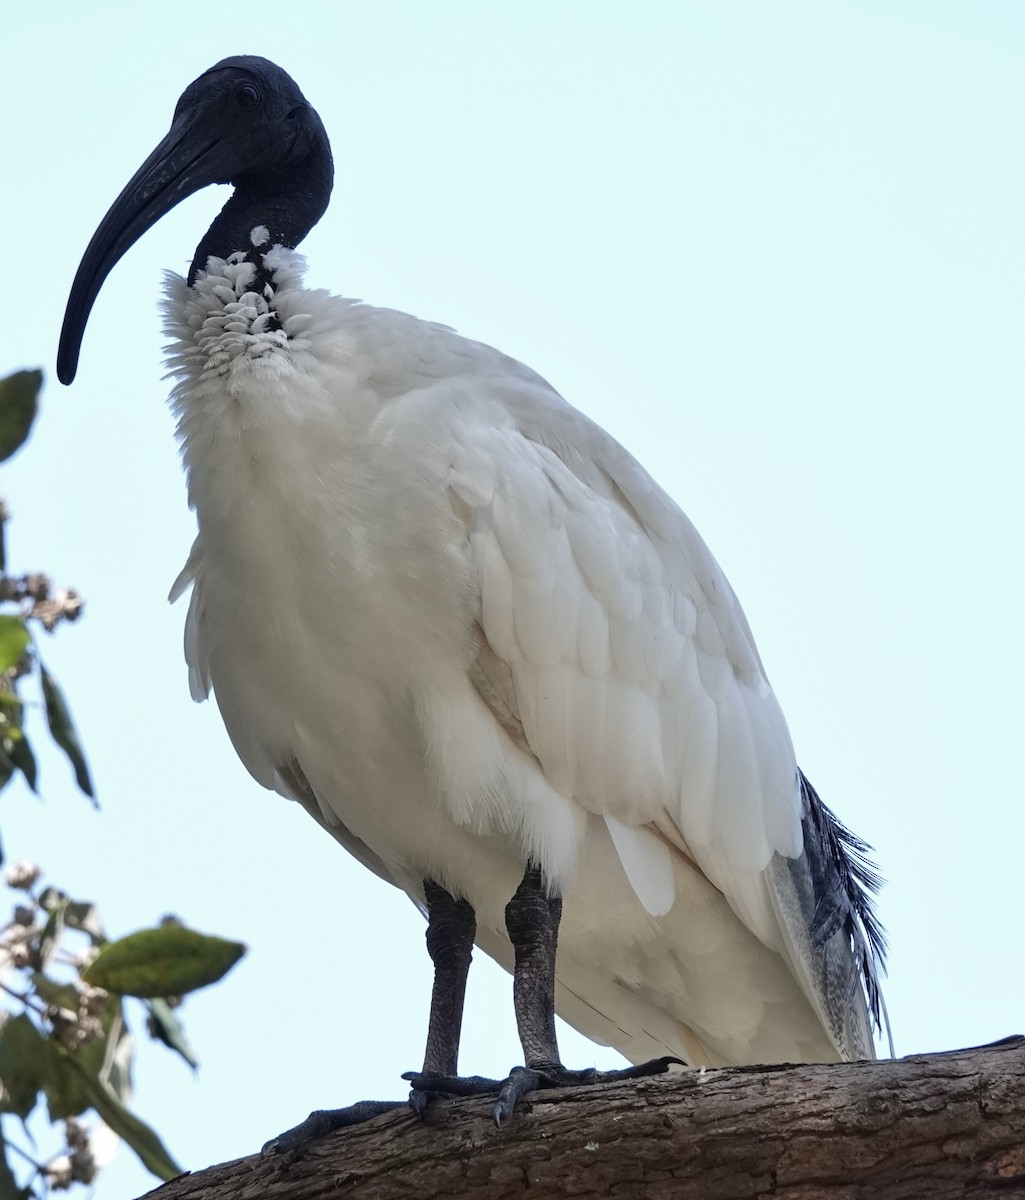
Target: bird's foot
[521,1081]
[421,1097]
[327,1120]
[428,1087]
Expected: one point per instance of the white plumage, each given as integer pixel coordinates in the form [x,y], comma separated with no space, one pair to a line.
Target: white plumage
[455,619]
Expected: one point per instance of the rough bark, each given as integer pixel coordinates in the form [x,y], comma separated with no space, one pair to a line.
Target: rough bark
[922,1128]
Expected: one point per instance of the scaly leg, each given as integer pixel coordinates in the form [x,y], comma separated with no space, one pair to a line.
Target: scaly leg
[532,920]
[451,926]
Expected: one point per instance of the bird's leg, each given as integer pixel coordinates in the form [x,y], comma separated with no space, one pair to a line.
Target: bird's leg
[532,921]
[451,927]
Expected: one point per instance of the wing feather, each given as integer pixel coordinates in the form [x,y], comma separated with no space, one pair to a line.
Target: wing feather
[635,678]
[647,863]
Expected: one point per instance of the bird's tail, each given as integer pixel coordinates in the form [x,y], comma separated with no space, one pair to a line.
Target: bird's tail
[825,900]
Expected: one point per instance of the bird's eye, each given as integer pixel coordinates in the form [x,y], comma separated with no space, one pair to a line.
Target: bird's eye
[247,96]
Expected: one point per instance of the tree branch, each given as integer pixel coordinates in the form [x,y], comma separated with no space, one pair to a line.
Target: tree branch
[922,1128]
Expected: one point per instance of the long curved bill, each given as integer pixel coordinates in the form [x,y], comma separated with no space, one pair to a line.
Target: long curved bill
[180,165]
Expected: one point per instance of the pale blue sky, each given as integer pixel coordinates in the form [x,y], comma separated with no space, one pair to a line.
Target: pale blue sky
[776,248]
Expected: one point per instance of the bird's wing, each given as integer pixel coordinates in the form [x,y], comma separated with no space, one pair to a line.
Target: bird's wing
[613,648]
[614,640]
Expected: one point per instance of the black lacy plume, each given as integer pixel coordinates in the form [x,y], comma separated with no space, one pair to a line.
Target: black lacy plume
[850,899]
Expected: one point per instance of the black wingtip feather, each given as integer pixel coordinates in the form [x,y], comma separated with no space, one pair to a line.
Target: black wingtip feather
[859,880]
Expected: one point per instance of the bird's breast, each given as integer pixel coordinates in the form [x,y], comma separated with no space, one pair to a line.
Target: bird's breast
[331,581]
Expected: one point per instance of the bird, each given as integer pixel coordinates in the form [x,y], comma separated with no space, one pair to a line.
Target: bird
[460,625]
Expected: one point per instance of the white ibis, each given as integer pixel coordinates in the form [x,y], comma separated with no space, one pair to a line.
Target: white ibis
[461,626]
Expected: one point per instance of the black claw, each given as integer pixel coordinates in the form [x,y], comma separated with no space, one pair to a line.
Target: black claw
[420,1100]
[521,1082]
[327,1120]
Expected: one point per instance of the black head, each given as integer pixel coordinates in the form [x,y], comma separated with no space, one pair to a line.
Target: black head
[243,122]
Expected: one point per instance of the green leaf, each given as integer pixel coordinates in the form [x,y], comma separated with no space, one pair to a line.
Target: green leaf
[168,961]
[23,758]
[66,1094]
[6,766]
[19,402]
[142,1139]
[14,640]
[63,730]
[60,995]
[23,1061]
[166,1028]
